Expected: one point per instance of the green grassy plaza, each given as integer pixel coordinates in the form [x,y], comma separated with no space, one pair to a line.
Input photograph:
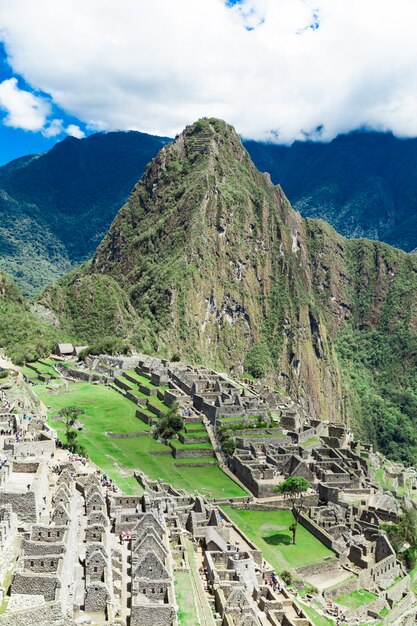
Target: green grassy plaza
[269,530]
[187,612]
[108,411]
[355,599]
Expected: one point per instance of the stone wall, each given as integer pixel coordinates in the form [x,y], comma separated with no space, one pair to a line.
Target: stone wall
[317,531]
[38,548]
[190,453]
[396,592]
[135,399]
[401,608]
[49,614]
[96,597]
[34,584]
[45,447]
[23,504]
[194,439]
[145,417]
[25,468]
[123,385]
[275,505]
[152,615]
[69,372]
[140,433]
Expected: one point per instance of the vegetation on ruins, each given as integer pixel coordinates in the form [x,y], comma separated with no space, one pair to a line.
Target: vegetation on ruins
[294,488]
[287,577]
[258,361]
[169,425]
[403,537]
[107,345]
[227,442]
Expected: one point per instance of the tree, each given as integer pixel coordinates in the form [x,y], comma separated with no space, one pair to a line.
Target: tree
[258,360]
[294,488]
[403,537]
[70,415]
[169,425]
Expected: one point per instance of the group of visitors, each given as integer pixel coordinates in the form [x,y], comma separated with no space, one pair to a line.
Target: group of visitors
[108,483]
[275,583]
[335,612]
[5,402]
[78,458]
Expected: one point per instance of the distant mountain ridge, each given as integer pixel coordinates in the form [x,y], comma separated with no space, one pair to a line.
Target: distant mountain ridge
[363,184]
[56,207]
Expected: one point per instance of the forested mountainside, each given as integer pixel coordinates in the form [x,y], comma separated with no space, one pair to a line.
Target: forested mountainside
[364,184]
[56,207]
[208,260]
[26,332]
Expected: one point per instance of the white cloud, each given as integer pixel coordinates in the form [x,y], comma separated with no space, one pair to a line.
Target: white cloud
[53,128]
[23,109]
[74,131]
[273,68]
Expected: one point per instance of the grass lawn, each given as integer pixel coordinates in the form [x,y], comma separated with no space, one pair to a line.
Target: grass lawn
[137,393]
[45,369]
[194,427]
[143,380]
[194,433]
[191,461]
[158,404]
[316,618]
[413,578]
[187,612]
[107,410]
[26,371]
[191,446]
[270,531]
[355,599]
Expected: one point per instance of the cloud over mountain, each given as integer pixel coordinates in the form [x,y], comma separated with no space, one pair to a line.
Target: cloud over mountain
[280,70]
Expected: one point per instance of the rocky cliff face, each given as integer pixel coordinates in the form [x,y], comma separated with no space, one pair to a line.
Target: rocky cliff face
[207,259]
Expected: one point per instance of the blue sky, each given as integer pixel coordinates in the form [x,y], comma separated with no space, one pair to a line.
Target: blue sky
[16,142]
[278,70]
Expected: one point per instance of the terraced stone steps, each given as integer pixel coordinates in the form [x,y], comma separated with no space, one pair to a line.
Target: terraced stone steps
[194,437]
[191,450]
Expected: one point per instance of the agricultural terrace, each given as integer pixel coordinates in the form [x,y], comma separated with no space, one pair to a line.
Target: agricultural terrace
[269,530]
[108,411]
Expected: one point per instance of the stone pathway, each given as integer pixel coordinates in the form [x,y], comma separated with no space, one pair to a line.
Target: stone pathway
[203,609]
[125,594]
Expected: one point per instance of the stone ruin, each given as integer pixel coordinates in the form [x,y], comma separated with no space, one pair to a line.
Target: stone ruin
[345,507]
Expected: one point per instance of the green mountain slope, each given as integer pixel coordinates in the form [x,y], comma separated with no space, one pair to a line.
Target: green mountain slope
[208,259]
[56,207]
[23,334]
